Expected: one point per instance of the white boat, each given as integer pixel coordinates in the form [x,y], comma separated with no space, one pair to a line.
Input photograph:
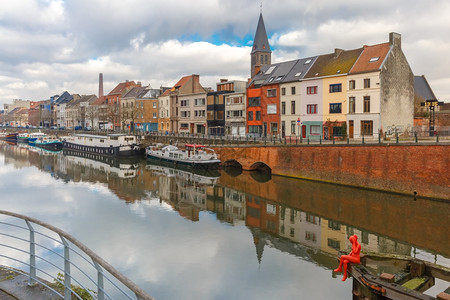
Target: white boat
[111,145]
[196,156]
[32,137]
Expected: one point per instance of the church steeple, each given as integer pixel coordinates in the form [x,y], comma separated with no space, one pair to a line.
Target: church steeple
[261,54]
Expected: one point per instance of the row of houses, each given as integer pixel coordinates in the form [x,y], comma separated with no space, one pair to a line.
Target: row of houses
[366,91]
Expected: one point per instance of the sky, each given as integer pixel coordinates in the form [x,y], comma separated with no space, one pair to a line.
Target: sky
[52,46]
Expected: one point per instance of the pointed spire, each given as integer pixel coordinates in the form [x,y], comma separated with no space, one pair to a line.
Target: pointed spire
[261,42]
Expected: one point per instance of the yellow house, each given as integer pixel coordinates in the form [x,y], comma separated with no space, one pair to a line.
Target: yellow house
[333,69]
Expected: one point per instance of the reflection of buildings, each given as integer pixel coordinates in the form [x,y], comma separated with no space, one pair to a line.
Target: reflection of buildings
[234,207]
[186,191]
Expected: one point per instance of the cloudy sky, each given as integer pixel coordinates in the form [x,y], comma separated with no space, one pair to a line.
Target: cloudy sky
[49,46]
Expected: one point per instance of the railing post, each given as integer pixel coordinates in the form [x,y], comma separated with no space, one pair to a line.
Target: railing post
[363,138]
[100,288]
[348,140]
[415,135]
[437,138]
[32,278]
[320,139]
[67,284]
[396,137]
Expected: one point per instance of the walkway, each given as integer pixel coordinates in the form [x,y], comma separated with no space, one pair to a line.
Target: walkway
[14,285]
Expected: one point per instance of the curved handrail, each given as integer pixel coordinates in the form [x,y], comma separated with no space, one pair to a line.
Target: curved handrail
[140,293]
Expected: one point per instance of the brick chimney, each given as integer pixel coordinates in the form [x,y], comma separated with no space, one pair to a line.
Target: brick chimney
[100,85]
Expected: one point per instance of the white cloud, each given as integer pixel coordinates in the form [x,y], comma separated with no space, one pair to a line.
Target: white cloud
[54,45]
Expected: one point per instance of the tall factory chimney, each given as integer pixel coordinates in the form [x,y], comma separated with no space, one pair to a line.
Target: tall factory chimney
[100,85]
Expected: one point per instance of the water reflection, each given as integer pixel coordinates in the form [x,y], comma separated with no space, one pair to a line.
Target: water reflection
[308,220]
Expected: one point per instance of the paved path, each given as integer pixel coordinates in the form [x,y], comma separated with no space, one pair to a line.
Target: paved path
[14,285]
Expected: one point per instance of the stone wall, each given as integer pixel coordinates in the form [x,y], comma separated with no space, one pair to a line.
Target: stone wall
[407,169]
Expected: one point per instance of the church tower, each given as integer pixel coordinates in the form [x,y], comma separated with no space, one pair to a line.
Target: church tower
[261,54]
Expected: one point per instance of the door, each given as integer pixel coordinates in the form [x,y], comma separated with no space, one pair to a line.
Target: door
[350,128]
[283,129]
[304,131]
[265,129]
[325,133]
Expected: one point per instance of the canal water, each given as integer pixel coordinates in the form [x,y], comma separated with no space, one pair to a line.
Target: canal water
[217,235]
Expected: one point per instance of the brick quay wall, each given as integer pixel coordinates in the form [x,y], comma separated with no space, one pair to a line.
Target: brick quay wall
[421,169]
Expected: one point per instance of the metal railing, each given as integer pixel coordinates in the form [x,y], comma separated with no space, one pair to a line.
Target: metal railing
[46,250]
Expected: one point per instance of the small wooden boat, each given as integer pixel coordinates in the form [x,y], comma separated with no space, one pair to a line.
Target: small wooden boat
[411,279]
[196,156]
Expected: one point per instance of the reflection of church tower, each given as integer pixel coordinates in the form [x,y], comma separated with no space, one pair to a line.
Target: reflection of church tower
[261,54]
[259,241]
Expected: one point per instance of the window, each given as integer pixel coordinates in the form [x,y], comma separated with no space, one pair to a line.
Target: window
[154,115]
[367,83]
[366,127]
[283,108]
[184,125]
[184,102]
[253,129]
[250,116]
[293,124]
[200,101]
[283,91]
[336,88]
[271,109]
[335,108]
[271,92]
[274,128]
[292,107]
[335,244]
[279,78]
[154,104]
[254,101]
[185,114]
[310,90]
[266,59]
[366,103]
[293,90]
[351,105]
[351,85]
[258,115]
[314,130]
[374,59]
[334,225]
[311,109]
[234,100]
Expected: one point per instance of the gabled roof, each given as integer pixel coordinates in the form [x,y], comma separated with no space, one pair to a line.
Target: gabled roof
[150,93]
[85,98]
[261,42]
[134,92]
[422,89]
[180,83]
[371,59]
[300,69]
[339,62]
[121,87]
[64,98]
[99,101]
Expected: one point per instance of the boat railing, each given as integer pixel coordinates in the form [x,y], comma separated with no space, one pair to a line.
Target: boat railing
[56,260]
